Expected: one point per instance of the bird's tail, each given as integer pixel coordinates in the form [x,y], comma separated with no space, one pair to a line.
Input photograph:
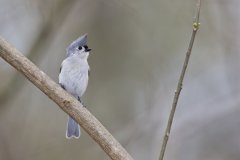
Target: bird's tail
[73,129]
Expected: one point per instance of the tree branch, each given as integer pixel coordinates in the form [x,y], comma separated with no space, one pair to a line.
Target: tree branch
[64,100]
[196,25]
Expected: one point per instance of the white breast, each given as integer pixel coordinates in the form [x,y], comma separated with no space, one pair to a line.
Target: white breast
[74,76]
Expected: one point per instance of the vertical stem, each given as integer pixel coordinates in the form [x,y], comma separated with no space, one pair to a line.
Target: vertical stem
[196,25]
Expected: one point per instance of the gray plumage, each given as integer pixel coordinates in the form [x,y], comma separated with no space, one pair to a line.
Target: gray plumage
[81,41]
[73,76]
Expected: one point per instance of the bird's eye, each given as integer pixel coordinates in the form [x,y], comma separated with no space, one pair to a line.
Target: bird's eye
[80,48]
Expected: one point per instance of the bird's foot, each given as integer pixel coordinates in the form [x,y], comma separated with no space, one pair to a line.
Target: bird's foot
[81,102]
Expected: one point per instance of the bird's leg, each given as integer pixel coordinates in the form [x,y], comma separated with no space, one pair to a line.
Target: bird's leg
[62,86]
[81,101]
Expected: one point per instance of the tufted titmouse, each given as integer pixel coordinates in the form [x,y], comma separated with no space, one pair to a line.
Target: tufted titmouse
[73,76]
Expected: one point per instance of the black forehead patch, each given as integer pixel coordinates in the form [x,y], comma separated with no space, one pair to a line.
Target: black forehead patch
[85,46]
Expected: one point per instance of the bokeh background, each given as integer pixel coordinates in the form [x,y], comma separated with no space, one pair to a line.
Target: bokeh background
[138,51]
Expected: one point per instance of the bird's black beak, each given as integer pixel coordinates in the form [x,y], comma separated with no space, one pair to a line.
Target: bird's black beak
[88,50]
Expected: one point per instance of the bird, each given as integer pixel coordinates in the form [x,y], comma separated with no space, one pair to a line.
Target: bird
[73,77]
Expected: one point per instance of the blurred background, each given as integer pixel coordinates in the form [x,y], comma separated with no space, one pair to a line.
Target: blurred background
[138,51]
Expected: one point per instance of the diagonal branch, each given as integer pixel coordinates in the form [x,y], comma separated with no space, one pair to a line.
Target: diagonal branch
[64,100]
[196,25]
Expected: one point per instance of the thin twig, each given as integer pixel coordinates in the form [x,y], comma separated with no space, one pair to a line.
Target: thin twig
[196,25]
[64,100]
